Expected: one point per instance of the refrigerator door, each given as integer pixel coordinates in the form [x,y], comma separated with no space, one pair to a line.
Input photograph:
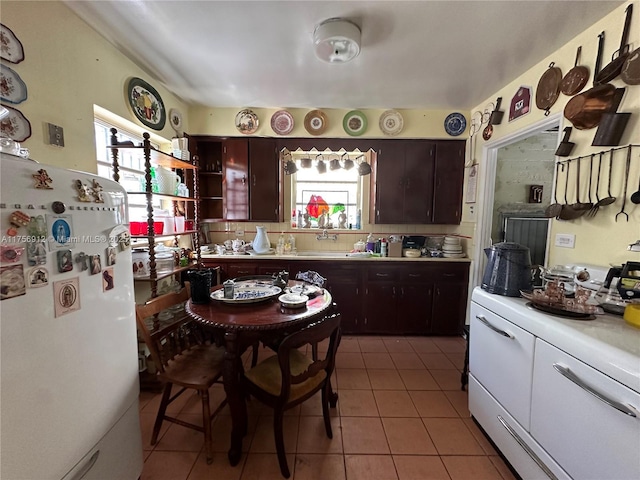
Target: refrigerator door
[68,346]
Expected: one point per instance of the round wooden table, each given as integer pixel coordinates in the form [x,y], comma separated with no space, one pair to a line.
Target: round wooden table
[241,326]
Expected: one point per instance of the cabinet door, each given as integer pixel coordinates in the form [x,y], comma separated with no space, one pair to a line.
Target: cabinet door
[414,308]
[264,175]
[449,177]
[389,184]
[449,306]
[418,182]
[236,183]
[380,308]
[241,269]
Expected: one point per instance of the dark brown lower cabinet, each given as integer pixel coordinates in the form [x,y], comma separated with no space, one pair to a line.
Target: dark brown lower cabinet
[397,298]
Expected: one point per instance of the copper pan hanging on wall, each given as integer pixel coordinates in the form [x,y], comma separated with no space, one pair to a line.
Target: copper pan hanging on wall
[585,111]
[576,78]
[548,89]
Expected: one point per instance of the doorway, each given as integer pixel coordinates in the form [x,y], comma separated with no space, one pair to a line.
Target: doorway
[504,197]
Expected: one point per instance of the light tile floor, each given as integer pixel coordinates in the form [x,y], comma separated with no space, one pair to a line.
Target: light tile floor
[401,415]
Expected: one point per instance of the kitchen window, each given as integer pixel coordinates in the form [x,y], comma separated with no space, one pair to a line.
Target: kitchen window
[326,189]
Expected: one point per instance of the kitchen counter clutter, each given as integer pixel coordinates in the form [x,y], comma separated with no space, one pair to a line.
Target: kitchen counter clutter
[560,397]
[404,296]
[327,255]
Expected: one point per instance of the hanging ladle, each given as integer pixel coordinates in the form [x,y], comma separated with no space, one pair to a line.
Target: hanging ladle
[554,209]
[579,206]
[635,197]
[596,206]
[610,199]
[567,212]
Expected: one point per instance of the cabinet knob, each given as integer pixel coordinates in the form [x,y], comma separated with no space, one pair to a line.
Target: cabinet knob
[254,180]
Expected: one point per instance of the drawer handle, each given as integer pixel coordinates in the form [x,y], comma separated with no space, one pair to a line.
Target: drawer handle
[414,275]
[565,372]
[382,274]
[527,448]
[448,274]
[85,469]
[493,327]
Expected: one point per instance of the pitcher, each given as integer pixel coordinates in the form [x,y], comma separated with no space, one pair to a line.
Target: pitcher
[237,245]
[261,242]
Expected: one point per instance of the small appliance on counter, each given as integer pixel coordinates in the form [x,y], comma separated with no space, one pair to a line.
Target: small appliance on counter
[508,269]
[620,288]
[412,242]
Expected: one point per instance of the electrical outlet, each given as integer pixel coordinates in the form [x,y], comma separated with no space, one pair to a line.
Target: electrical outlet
[56,135]
[239,233]
[565,240]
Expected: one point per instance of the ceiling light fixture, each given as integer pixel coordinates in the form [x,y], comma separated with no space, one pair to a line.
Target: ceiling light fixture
[336,40]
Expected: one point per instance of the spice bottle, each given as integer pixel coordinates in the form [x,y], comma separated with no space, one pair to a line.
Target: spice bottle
[383,247]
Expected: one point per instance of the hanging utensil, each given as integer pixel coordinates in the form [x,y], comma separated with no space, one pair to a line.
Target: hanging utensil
[635,197]
[576,78]
[555,208]
[610,199]
[548,89]
[565,147]
[596,206]
[488,130]
[613,69]
[630,73]
[598,58]
[585,110]
[579,206]
[626,183]
[612,124]
[568,213]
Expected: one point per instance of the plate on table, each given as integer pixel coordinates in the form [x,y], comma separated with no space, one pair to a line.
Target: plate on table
[282,122]
[354,123]
[306,289]
[293,300]
[455,124]
[316,122]
[247,122]
[391,122]
[248,293]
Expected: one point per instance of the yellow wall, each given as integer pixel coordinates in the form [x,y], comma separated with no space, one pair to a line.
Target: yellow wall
[600,240]
[67,69]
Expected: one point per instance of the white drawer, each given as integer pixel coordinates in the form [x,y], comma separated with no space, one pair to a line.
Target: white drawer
[590,438]
[522,452]
[501,359]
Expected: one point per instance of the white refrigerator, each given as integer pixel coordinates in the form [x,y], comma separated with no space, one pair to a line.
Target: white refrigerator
[68,345]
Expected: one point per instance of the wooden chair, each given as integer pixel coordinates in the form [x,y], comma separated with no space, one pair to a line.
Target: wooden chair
[184,357]
[289,378]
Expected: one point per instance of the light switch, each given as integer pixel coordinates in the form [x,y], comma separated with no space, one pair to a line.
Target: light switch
[565,240]
[56,135]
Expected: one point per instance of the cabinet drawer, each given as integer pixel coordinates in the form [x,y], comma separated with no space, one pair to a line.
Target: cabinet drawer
[382,274]
[524,454]
[501,359]
[450,272]
[590,438]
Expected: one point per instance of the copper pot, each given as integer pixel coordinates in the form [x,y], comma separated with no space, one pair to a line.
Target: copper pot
[585,111]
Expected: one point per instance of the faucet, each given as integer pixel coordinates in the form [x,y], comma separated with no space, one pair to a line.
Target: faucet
[325,236]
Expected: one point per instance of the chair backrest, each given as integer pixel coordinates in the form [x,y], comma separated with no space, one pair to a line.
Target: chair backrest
[328,327]
[167,338]
[312,277]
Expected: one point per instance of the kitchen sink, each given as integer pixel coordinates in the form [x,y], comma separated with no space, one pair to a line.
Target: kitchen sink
[319,253]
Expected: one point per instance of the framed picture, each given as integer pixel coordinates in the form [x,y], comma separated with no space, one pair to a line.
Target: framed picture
[146,104]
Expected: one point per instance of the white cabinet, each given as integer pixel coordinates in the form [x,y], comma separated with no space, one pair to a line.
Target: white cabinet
[501,359]
[588,422]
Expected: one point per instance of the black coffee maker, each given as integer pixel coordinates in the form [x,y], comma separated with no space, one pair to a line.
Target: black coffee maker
[508,269]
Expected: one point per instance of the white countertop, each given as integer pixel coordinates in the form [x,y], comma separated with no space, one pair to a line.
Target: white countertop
[607,343]
[331,256]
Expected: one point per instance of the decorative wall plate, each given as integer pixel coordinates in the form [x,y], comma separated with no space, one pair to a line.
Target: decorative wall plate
[247,122]
[316,122]
[354,123]
[455,124]
[175,120]
[12,88]
[282,122]
[11,49]
[15,125]
[146,104]
[391,122]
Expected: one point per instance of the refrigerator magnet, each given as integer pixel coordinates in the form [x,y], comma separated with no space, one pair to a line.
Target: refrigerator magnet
[111,256]
[10,253]
[82,259]
[107,279]
[66,296]
[65,263]
[38,277]
[60,228]
[43,179]
[96,192]
[84,192]
[11,282]
[96,264]
[36,252]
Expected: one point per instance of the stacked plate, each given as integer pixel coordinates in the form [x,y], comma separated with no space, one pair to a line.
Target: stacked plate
[452,248]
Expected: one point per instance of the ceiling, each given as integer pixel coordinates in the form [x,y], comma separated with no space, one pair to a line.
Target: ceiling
[414,54]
